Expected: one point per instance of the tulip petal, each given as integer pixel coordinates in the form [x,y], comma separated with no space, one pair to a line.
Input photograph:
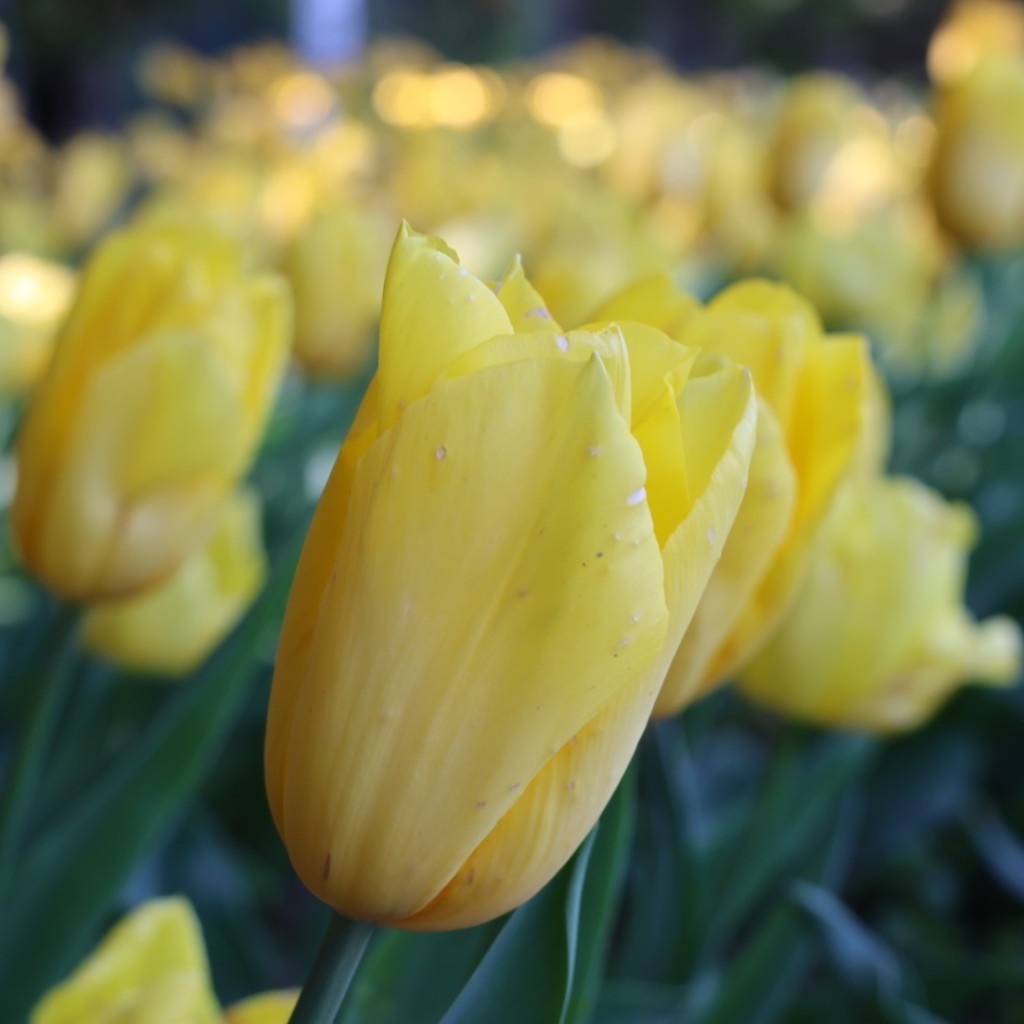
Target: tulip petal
[653,300]
[172,627]
[433,310]
[828,418]
[760,528]
[766,327]
[576,346]
[483,621]
[522,302]
[151,966]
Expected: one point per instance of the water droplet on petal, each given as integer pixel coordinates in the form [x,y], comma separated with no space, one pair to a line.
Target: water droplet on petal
[441,453]
[637,497]
[562,342]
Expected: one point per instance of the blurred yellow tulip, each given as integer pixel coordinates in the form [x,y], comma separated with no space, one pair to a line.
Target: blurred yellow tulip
[813,395]
[876,274]
[977,176]
[879,636]
[34,298]
[93,177]
[151,968]
[173,627]
[509,549]
[829,147]
[151,410]
[972,31]
[336,268]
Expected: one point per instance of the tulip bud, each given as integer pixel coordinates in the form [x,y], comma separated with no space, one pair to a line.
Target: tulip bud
[977,174]
[152,409]
[879,636]
[173,627]
[336,268]
[505,558]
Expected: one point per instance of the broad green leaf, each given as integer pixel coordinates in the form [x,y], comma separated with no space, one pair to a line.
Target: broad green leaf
[69,880]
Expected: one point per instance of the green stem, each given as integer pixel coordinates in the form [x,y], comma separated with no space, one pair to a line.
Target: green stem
[335,967]
[23,777]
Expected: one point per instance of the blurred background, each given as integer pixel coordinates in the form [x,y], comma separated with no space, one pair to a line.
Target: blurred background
[77,62]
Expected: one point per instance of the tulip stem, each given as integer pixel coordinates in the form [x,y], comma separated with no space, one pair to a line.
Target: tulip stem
[51,686]
[336,964]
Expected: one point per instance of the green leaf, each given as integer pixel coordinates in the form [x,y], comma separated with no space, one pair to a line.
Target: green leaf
[599,900]
[71,877]
[542,967]
[412,977]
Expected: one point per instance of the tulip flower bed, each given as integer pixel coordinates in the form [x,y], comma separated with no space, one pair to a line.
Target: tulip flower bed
[537,544]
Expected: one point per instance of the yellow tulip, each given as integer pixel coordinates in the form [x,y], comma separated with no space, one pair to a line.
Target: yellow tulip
[151,968]
[151,410]
[829,146]
[879,636]
[93,177]
[877,274]
[509,549]
[174,626]
[336,268]
[972,31]
[977,175]
[34,298]
[813,392]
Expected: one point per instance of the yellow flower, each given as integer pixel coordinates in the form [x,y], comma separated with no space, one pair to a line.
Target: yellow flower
[34,298]
[151,969]
[512,542]
[813,391]
[977,176]
[877,274]
[336,268]
[832,150]
[972,31]
[879,636]
[93,177]
[173,627]
[151,410]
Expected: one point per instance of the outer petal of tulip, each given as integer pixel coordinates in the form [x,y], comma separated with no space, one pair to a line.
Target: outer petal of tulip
[480,673]
[758,533]
[150,969]
[269,1008]
[433,311]
[558,808]
[119,479]
[173,627]
[878,636]
[652,300]
[523,304]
